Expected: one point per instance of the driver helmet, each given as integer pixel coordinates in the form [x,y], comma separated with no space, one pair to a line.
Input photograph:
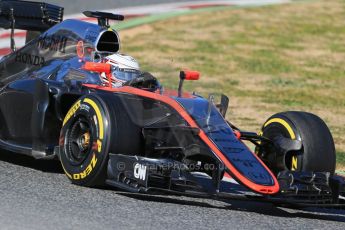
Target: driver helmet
[123,68]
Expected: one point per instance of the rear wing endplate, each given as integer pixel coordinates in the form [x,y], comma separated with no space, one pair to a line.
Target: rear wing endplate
[26,15]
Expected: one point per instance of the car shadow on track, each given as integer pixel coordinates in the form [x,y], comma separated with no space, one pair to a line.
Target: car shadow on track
[268,209]
[50,166]
[54,166]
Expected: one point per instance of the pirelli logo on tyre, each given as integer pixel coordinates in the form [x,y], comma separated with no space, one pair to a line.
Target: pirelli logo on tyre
[71,112]
[87,171]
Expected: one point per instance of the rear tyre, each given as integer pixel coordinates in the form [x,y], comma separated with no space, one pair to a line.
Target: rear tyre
[318,150]
[94,127]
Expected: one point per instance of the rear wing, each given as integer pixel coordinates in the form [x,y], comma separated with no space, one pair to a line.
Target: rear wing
[30,16]
[103,17]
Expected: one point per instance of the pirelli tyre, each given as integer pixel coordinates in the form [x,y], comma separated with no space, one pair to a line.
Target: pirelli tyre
[93,127]
[317,153]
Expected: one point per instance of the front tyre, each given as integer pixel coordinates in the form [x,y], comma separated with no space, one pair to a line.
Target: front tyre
[318,151]
[84,141]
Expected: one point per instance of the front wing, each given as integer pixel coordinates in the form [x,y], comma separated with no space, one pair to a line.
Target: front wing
[164,176]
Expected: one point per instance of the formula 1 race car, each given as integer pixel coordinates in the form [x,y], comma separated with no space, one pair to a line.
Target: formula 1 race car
[140,137]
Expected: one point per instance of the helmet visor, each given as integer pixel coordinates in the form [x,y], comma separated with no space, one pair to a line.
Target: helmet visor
[124,74]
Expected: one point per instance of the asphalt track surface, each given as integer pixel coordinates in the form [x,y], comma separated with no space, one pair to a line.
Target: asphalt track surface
[37,195]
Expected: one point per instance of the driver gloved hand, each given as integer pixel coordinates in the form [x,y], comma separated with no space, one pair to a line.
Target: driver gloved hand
[144,80]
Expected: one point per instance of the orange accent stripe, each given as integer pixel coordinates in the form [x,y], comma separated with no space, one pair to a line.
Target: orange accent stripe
[227,175]
[263,189]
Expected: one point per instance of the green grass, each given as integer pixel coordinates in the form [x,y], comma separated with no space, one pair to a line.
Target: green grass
[267,59]
[341,158]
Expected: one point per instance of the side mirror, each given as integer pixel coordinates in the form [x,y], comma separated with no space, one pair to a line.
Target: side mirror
[188,75]
[97,67]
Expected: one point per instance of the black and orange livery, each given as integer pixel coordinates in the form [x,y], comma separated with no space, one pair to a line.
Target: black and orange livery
[142,137]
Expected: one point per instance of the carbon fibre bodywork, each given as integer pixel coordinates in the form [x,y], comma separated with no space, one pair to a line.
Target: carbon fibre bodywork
[36,80]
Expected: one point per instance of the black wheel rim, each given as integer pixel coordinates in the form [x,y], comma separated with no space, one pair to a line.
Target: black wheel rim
[79,141]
